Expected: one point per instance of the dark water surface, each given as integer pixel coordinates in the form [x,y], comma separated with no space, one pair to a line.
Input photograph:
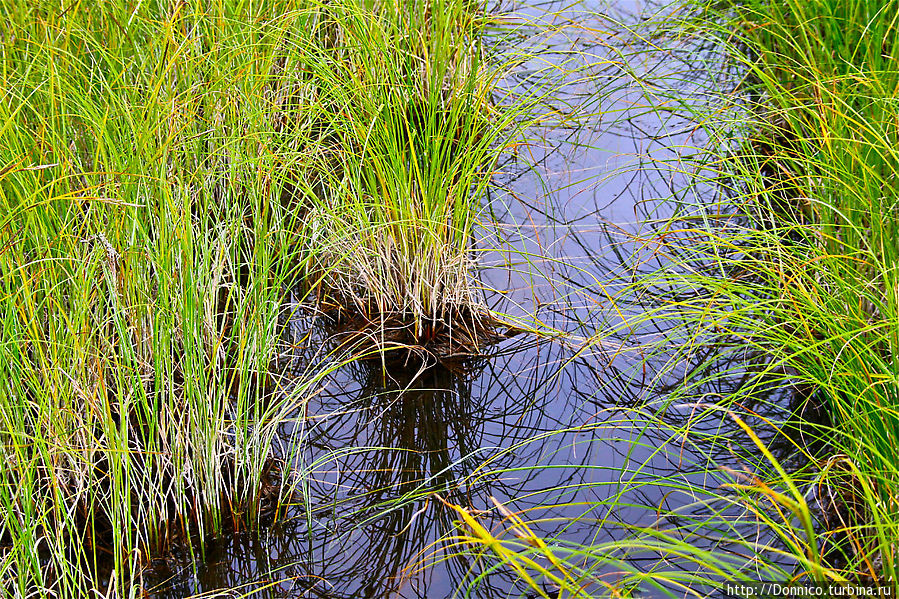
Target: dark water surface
[545,427]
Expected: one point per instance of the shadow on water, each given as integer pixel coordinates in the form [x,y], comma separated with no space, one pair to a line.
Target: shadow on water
[584,432]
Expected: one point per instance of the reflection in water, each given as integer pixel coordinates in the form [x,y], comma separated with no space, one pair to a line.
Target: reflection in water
[378,446]
[531,424]
[416,433]
[588,435]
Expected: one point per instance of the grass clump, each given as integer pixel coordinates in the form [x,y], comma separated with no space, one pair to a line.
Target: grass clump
[144,256]
[795,262]
[167,172]
[826,77]
[409,123]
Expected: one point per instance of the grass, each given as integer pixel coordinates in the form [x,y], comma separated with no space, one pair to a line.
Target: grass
[811,284]
[717,520]
[785,279]
[167,172]
[409,123]
[145,252]
[835,105]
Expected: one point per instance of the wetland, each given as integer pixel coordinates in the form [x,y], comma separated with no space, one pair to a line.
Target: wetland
[433,299]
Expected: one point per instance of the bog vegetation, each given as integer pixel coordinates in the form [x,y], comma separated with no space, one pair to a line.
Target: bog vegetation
[171,171]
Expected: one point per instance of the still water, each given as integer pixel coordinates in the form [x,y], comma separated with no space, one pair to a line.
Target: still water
[576,433]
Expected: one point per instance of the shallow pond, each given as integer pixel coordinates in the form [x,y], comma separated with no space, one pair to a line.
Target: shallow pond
[549,427]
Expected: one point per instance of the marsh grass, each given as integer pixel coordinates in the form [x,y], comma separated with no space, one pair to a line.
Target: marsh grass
[814,285]
[729,511]
[145,256]
[167,172]
[410,122]
[795,262]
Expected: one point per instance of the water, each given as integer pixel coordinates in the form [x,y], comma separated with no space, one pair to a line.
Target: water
[575,436]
